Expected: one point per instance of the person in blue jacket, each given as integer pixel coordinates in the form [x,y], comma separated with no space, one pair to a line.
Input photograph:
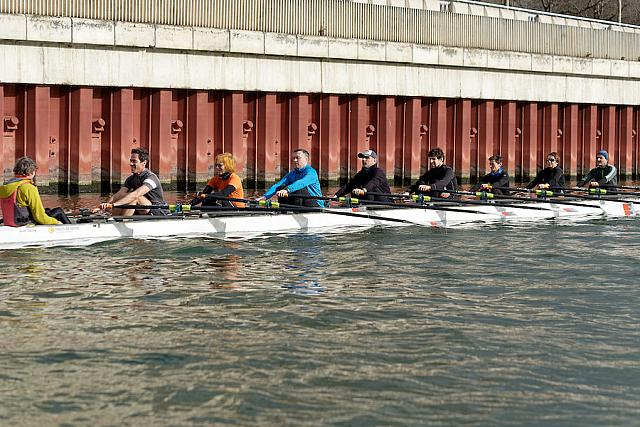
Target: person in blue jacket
[302,180]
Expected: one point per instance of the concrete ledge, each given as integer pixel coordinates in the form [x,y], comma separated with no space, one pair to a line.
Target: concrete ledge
[398,52]
[634,70]
[211,39]
[280,44]
[13,27]
[414,4]
[48,29]
[91,31]
[457,7]
[492,12]
[582,66]
[246,42]
[476,9]
[313,46]
[497,59]
[542,63]
[601,67]
[620,68]
[520,61]
[342,48]
[433,5]
[451,56]
[562,65]
[62,65]
[371,51]
[425,54]
[173,37]
[134,34]
[475,58]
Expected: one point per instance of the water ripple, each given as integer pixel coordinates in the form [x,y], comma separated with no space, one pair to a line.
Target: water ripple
[407,326]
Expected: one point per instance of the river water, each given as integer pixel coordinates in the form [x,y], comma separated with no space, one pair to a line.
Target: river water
[490,326]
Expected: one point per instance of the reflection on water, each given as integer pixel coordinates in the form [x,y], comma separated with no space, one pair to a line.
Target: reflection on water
[497,325]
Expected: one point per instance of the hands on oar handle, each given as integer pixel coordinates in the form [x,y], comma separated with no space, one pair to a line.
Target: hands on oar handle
[199,197]
[103,207]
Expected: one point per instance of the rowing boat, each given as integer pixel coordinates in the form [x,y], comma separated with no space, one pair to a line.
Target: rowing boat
[235,225]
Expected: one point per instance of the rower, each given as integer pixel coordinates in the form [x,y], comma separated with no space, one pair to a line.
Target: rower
[552,176]
[20,200]
[225,183]
[141,188]
[368,179]
[496,179]
[438,177]
[302,180]
[603,175]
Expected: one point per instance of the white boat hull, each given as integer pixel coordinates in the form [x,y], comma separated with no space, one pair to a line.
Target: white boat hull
[250,225]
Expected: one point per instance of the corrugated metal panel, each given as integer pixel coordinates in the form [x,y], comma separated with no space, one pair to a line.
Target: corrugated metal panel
[61,128]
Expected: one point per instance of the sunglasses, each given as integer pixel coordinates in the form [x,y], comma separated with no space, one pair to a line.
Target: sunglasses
[551,159]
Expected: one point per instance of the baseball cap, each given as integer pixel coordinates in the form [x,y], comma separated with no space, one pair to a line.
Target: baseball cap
[367,153]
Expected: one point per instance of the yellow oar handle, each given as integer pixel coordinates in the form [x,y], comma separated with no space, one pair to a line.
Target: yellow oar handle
[483,195]
[597,191]
[420,197]
[178,207]
[268,204]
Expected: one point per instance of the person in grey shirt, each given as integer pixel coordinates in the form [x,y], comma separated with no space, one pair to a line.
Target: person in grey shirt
[142,188]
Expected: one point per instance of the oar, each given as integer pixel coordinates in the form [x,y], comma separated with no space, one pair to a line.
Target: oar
[551,193]
[356,201]
[624,187]
[464,202]
[500,196]
[186,208]
[600,191]
[305,209]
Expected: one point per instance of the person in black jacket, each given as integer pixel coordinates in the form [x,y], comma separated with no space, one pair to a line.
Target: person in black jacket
[496,179]
[370,179]
[603,175]
[552,176]
[439,177]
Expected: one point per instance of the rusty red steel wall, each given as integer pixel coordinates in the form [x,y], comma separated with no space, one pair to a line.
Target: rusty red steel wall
[81,137]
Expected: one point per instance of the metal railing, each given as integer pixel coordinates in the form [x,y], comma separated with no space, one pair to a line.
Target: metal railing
[352,20]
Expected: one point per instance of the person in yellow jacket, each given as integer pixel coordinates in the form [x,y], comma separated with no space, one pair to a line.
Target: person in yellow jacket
[20,200]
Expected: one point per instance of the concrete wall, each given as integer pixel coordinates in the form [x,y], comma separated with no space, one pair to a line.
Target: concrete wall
[70,51]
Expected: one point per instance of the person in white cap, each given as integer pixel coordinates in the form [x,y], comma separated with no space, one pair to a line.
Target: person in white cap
[369,179]
[603,175]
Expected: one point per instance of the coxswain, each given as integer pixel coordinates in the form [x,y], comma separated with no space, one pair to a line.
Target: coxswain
[369,179]
[438,179]
[142,188]
[552,176]
[20,200]
[496,180]
[225,183]
[603,175]
[302,180]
